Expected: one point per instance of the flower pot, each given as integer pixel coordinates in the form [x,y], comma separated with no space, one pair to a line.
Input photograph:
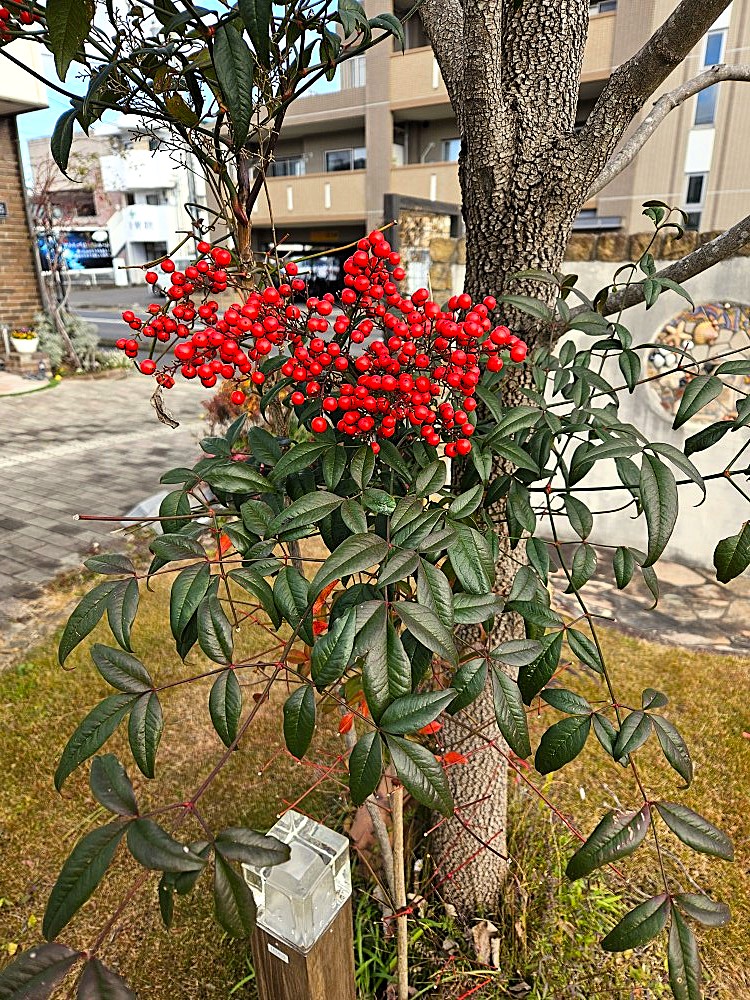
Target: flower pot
[25,346]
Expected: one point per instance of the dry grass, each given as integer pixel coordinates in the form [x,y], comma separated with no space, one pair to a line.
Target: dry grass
[41,704]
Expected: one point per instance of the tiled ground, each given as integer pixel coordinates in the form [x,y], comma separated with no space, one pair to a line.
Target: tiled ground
[86,446]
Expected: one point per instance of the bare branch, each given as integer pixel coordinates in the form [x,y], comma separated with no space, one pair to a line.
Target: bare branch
[443,21]
[636,80]
[726,245]
[666,103]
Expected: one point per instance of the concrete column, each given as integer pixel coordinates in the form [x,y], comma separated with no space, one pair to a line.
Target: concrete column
[378,120]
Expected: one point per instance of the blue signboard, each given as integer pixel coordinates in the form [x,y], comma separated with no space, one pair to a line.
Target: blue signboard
[79,252]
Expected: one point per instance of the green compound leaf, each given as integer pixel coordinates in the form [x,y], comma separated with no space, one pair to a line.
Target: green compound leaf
[658,491]
[100,983]
[68,23]
[511,714]
[188,590]
[413,711]
[427,628]
[707,911]
[468,682]
[683,961]
[123,671]
[732,555]
[111,786]
[35,973]
[616,835]
[674,748]
[80,875]
[155,849]
[332,653]
[214,630]
[241,844]
[356,554]
[421,774]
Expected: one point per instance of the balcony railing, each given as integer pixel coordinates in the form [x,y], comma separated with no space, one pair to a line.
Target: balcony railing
[416,80]
[599,54]
[313,198]
[430,181]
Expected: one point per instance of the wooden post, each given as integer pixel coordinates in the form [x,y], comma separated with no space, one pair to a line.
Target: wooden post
[325,972]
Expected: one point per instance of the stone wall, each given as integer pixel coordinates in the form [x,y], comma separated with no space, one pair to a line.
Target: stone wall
[20,299]
[448,255]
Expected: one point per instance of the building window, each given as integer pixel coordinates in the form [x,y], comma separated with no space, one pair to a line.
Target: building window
[153,251]
[451,150]
[705,107]
[358,72]
[696,184]
[155,199]
[287,166]
[346,159]
[693,221]
[602,6]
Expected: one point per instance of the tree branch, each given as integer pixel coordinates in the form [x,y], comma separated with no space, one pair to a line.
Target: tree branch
[632,83]
[726,245]
[666,103]
[443,22]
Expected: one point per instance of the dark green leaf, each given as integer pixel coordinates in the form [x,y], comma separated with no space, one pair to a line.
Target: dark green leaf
[225,706]
[623,563]
[567,701]
[235,68]
[240,844]
[580,517]
[365,767]
[683,961]
[533,678]
[562,743]
[732,555]
[263,445]
[298,458]
[155,849]
[214,630]
[639,926]
[674,747]
[387,670]
[35,973]
[468,502]
[702,908]
[111,786]
[518,652]
[299,721]
[401,564]
[584,649]
[100,983]
[525,585]
[188,590]
[85,617]
[122,670]
[431,479]
[519,508]
[176,507]
[354,517]
[109,564]
[411,712]
[699,392]
[80,875]
[255,584]
[472,561]
[62,138]
[378,501]
[68,23]
[659,497]
[334,466]
[538,556]
[510,713]
[233,900]
[92,733]
[391,24]
[308,510]
[695,831]
[583,568]
[239,477]
[680,461]
[616,836]
[356,554]
[121,610]
[605,732]
[256,16]
[471,609]
[332,653]
[634,732]
[651,698]
[144,732]
[427,628]
[171,548]
[707,438]
[630,366]
[434,591]
[421,774]
[468,682]
[291,594]
[362,466]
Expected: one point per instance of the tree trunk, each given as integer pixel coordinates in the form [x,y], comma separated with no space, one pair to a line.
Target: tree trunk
[521,189]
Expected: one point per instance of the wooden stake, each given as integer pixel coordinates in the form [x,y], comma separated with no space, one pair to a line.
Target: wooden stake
[402,929]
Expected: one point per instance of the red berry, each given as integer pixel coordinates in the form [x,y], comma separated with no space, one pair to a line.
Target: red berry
[152,277]
[147,366]
[167,266]
[238,397]
[319,425]
[221,256]
[518,351]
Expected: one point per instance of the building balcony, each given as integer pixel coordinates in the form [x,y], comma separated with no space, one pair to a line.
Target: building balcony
[598,57]
[337,109]
[312,199]
[416,82]
[429,181]
[142,224]
[138,170]
[19,91]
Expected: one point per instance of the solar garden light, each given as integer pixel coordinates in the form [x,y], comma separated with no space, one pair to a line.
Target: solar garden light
[303,944]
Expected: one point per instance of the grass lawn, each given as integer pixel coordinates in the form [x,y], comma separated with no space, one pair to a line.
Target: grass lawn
[41,703]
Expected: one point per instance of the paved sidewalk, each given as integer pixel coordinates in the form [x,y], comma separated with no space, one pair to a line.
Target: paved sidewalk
[88,446]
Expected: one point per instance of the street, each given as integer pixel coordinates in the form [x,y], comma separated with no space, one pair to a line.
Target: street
[102,307]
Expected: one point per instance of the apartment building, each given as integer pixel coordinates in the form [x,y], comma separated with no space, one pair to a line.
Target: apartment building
[389,130]
[19,93]
[126,202]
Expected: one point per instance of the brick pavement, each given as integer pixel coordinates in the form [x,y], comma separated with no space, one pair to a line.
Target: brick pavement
[87,446]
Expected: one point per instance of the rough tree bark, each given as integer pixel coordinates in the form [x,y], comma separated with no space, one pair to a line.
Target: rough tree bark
[512,70]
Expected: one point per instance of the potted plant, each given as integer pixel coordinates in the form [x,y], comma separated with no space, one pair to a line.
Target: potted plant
[25,341]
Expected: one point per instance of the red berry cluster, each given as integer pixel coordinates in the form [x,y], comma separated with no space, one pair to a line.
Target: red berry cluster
[418,374]
[13,21]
